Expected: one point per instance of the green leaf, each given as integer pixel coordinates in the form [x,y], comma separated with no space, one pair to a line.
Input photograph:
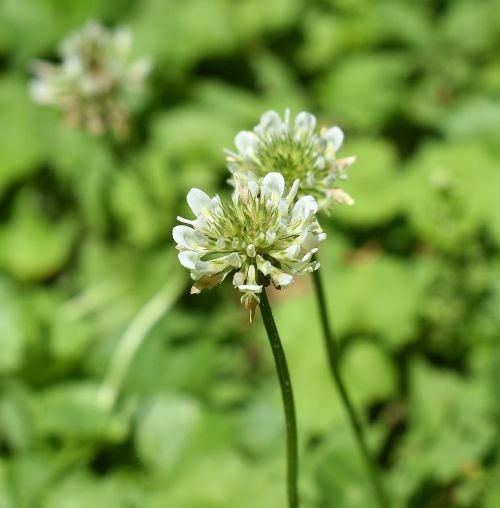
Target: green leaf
[165,431]
[141,219]
[492,497]
[369,373]
[181,34]
[5,496]
[340,472]
[450,193]
[364,90]
[375,294]
[70,336]
[476,118]
[11,336]
[233,482]
[194,149]
[43,23]
[262,423]
[30,473]
[278,82]
[70,411]
[461,16]
[32,247]
[16,418]
[374,183]
[81,489]
[20,148]
[451,424]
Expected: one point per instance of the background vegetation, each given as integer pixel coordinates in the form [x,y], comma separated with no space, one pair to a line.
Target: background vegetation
[193,418]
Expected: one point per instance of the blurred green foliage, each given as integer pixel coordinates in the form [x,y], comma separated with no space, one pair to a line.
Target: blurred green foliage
[98,408]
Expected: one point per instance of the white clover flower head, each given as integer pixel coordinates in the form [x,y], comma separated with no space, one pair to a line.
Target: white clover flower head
[94,81]
[298,151]
[261,236]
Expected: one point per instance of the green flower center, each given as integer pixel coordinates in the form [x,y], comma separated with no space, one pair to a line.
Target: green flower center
[247,222]
[286,155]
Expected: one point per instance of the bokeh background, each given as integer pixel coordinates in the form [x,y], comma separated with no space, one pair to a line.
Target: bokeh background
[119,390]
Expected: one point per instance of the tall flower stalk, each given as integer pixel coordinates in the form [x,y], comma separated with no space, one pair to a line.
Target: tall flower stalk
[298,151]
[332,350]
[288,403]
[261,237]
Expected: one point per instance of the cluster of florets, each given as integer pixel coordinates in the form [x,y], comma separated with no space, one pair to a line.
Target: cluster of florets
[297,151]
[94,80]
[262,236]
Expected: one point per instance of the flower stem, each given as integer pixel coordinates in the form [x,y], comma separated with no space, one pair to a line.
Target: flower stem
[332,351]
[133,337]
[287,396]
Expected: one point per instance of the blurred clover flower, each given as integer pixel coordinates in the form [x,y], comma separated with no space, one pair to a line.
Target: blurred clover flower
[296,151]
[93,80]
[261,236]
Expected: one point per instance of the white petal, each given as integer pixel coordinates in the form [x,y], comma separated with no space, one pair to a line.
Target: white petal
[140,69]
[42,92]
[320,162]
[264,266]
[305,123]
[307,256]
[304,207]
[293,191]
[73,66]
[308,241]
[341,197]
[334,136]
[238,279]
[189,259]
[245,142]
[282,227]
[185,221]
[283,208]
[270,123]
[209,281]
[254,288]
[270,236]
[276,185]
[287,119]
[209,268]
[251,273]
[251,250]
[253,187]
[188,238]
[234,260]
[293,252]
[216,204]
[123,41]
[345,163]
[281,279]
[198,201]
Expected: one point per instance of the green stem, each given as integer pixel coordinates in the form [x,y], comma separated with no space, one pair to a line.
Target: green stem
[287,396]
[332,351]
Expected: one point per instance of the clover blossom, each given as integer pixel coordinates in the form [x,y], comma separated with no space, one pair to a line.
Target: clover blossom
[261,236]
[94,80]
[295,151]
